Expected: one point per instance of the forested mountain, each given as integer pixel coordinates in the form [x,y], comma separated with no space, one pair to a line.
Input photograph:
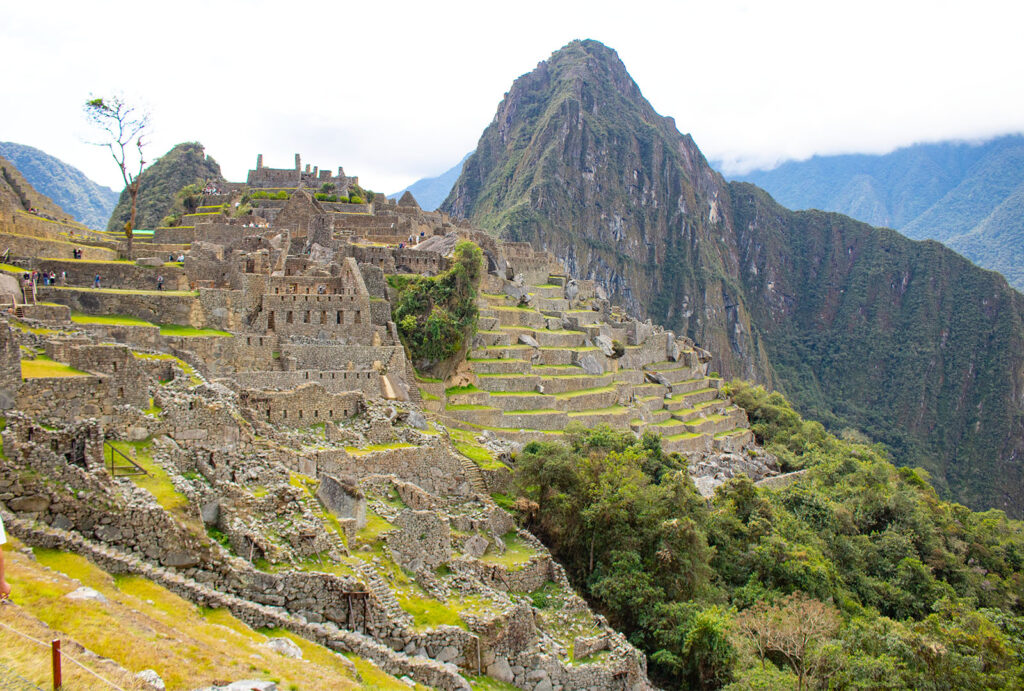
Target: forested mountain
[430,192]
[88,202]
[965,195]
[159,184]
[866,330]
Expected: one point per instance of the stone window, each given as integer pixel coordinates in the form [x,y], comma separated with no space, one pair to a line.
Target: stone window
[290,317]
[339,316]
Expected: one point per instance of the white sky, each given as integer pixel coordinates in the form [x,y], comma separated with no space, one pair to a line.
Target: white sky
[405,91]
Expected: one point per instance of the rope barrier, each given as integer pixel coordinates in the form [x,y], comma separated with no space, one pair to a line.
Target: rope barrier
[63,655]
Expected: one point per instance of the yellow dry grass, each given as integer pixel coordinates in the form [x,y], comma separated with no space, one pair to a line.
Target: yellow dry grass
[145,626]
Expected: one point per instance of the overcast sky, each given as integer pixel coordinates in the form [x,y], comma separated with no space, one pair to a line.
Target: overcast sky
[405,91]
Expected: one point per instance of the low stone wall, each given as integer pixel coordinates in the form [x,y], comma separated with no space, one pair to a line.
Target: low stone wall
[27,247]
[116,274]
[159,308]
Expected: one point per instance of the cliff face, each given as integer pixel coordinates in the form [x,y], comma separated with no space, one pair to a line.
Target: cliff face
[863,328]
[577,162]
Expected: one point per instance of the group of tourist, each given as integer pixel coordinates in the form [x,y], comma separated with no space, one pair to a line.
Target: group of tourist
[181,258]
[49,278]
[76,253]
[413,240]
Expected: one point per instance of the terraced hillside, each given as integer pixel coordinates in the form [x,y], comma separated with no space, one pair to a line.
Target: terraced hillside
[541,361]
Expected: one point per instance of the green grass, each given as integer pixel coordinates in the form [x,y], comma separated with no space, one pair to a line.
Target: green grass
[42,367]
[120,291]
[11,268]
[581,392]
[360,451]
[375,527]
[469,406]
[517,553]
[110,319]
[157,481]
[190,331]
[611,410]
[428,613]
[188,369]
[455,390]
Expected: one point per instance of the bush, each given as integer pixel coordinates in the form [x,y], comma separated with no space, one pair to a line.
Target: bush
[618,350]
[436,316]
[355,200]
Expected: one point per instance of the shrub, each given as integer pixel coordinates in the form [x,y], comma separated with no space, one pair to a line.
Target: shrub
[436,316]
[618,350]
[281,194]
[355,200]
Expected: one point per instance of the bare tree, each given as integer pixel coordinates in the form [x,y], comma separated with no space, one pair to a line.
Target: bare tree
[123,127]
[795,628]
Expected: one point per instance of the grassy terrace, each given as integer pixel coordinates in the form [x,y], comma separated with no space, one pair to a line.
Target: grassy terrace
[144,625]
[128,320]
[362,451]
[516,555]
[158,482]
[43,367]
[120,291]
[610,410]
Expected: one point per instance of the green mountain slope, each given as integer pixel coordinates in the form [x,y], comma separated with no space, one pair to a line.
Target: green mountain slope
[18,194]
[88,202]
[159,183]
[862,327]
[944,191]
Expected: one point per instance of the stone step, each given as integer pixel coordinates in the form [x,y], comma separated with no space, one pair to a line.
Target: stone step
[616,417]
[482,415]
[542,419]
[497,383]
[687,443]
[510,402]
[547,291]
[500,366]
[548,338]
[713,424]
[485,338]
[587,399]
[473,474]
[690,399]
[576,382]
[517,352]
[555,304]
[520,316]
[712,407]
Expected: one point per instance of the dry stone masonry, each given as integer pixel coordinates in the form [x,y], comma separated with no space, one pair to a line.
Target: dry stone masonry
[252,435]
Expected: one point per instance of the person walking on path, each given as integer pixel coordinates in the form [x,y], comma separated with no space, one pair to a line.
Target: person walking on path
[160,282]
[96,281]
[5,587]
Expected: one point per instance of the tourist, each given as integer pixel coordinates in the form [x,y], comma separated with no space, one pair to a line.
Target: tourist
[53,278]
[96,281]
[160,282]
[5,587]
[181,257]
[63,278]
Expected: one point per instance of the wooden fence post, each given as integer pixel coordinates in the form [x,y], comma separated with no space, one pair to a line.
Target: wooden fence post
[57,681]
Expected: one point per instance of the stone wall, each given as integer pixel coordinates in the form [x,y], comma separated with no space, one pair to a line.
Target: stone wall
[302,406]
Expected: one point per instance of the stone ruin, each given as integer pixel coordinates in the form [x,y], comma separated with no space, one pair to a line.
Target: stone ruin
[318,482]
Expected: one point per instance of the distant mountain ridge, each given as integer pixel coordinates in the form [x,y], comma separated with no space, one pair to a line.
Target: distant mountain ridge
[967,195]
[89,202]
[430,192]
[865,329]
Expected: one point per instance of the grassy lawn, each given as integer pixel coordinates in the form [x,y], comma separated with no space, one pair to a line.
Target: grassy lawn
[109,319]
[359,451]
[517,553]
[187,368]
[190,331]
[43,366]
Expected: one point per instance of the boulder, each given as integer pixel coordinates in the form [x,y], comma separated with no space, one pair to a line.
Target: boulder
[416,419]
[343,497]
[31,503]
[529,340]
[285,646]
[605,344]
[475,547]
[151,679]
[84,593]
[591,365]
[150,261]
[500,670]
[211,512]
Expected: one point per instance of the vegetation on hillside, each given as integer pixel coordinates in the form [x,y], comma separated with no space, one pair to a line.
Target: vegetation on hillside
[866,331]
[856,575]
[964,194]
[88,202]
[160,183]
[436,316]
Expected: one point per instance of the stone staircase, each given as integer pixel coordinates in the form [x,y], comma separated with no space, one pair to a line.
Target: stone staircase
[380,589]
[473,474]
